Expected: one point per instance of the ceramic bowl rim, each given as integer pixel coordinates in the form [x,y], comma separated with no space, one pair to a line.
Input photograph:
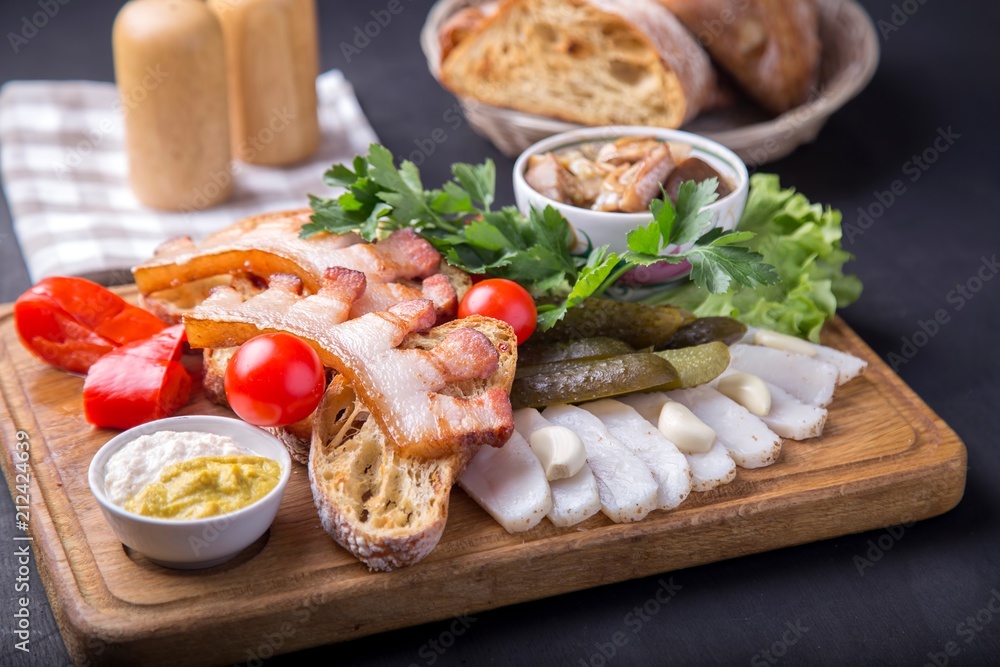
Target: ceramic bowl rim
[738,168]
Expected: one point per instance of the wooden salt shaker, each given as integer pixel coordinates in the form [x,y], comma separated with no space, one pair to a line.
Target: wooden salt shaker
[171,74]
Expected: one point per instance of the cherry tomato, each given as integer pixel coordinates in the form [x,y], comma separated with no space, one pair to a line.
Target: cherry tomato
[505,300]
[274,380]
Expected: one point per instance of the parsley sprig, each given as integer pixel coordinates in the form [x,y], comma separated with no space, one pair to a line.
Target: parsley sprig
[459,220]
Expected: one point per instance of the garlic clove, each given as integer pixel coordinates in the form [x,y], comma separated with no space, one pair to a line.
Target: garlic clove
[749,391]
[560,451]
[780,341]
[681,427]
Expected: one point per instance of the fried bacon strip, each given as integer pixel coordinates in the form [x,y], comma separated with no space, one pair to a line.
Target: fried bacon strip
[381,296]
[262,245]
[269,244]
[405,390]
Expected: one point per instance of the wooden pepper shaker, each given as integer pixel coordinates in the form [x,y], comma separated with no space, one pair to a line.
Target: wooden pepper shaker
[171,74]
[273,60]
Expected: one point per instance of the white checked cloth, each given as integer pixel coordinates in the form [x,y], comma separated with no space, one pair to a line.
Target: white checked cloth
[62,158]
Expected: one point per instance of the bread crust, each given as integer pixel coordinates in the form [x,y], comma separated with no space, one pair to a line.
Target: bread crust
[770,47]
[686,76]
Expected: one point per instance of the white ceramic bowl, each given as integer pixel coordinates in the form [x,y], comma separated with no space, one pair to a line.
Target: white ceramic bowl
[194,543]
[597,228]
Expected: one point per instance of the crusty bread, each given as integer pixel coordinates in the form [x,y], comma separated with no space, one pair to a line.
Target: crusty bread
[771,47]
[596,62]
[215,360]
[463,23]
[388,509]
[295,437]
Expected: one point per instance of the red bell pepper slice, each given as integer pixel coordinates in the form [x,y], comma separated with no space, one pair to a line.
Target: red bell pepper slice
[71,322]
[138,382]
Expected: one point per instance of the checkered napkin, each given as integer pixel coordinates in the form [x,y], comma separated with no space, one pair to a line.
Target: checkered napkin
[62,158]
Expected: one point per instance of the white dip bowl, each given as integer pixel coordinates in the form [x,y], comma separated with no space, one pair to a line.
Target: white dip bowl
[193,543]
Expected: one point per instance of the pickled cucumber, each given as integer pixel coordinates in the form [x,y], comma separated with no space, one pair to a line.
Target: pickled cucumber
[705,330]
[637,324]
[699,364]
[577,380]
[584,348]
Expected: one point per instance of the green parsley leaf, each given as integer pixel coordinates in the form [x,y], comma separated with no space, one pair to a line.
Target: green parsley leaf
[592,278]
[645,240]
[692,221]
[716,267]
[479,181]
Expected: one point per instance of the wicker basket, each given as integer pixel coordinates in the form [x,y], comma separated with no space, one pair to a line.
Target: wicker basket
[850,56]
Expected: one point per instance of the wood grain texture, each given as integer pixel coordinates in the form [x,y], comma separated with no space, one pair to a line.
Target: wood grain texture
[885,458]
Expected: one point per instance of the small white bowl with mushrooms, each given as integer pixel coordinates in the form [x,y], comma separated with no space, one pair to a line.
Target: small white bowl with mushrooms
[603,179]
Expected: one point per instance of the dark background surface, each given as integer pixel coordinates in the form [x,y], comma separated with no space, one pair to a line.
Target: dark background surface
[940,69]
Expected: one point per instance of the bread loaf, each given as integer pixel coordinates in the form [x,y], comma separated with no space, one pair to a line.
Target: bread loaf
[771,47]
[596,62]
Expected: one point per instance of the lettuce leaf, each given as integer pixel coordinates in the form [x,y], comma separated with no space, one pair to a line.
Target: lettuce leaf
[801,240]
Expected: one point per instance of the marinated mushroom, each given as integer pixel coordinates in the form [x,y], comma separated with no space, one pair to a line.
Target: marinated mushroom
[623,176]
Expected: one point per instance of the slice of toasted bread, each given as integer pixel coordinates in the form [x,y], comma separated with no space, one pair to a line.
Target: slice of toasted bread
[386,508]
[596,62]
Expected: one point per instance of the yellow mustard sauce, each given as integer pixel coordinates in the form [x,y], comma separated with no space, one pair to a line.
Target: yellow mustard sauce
[206,486]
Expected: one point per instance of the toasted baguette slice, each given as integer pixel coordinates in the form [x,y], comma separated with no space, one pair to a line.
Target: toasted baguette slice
[388,509]
[771,47]
[597,62]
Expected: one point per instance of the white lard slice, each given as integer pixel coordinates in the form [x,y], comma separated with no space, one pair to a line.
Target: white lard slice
[806,378]
[574,499]
[709,469]
[750,442]
[508,482]
[848,366]
[667,464]
[627,488]
[789,417]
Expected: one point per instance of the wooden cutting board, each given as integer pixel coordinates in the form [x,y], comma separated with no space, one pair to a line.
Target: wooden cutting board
[884,459]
